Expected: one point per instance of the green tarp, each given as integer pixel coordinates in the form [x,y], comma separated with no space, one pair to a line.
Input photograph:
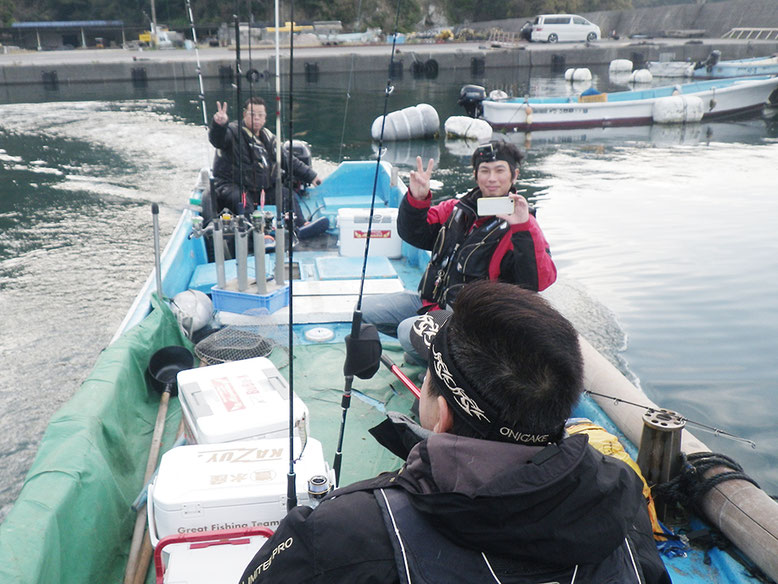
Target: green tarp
[72,522]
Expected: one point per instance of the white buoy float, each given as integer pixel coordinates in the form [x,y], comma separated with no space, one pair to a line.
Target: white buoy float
[619,77]
[641,76]
[418,121]
[468,128]
[580,74]
[193,310]
[678,109]
[620,66]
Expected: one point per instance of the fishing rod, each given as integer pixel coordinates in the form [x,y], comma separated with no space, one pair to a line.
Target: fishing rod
[238,108]
[404,379]
[218,232]
[348,98]
[704,427]
[199,68]
[363,347]
[291,489]
[280,232]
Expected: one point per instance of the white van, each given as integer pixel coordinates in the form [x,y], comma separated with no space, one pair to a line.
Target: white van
[563,27]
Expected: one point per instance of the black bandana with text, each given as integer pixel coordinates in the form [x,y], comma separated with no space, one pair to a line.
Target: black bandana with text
[470,406]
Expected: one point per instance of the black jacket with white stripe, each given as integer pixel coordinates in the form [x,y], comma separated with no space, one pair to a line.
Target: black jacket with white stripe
[564,514]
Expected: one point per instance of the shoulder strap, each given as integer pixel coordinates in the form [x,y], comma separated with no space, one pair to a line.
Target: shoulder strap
[268,140]
[422,554]
[385,479]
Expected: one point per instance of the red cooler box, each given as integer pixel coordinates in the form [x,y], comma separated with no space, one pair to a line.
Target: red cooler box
[205,487]
[239,400]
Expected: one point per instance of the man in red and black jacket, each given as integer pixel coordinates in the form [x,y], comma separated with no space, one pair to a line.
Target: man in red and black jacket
[465,246]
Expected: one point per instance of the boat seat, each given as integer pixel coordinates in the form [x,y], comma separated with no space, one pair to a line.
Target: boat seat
[327,292]
[317,301]
[348,268]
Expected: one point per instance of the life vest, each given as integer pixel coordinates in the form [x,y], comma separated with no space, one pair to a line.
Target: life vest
[262,156]
[424,556]
[460,255]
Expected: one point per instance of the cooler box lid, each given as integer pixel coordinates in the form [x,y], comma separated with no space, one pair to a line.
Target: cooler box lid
[239,400]
[212,563]
[361,216]
[229,474]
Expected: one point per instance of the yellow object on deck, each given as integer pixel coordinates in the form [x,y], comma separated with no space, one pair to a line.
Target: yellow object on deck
[608,444]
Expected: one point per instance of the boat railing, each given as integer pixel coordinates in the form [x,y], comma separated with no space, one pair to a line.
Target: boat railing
[497,35]
[749,33]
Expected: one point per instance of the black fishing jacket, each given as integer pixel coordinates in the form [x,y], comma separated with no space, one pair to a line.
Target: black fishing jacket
[535,514]
[256,160]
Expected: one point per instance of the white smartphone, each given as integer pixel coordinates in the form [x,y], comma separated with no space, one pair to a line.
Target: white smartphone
[495,206]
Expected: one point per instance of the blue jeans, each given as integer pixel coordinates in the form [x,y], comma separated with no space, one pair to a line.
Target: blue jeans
[394,314]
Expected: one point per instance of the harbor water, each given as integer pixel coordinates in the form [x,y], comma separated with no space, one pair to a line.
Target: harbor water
[664,236]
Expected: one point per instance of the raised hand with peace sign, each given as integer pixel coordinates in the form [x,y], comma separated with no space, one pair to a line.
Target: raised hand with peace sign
[419,186]
[221,117]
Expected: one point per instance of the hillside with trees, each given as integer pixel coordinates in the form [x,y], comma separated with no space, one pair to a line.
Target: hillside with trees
[354,14]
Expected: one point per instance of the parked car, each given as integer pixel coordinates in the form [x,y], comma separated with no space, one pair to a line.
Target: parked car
[563,27]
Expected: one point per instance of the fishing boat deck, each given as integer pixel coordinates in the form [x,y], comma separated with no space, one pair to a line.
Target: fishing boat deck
[326,288]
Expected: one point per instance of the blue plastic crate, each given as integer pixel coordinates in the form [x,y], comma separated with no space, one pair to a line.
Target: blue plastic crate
[240,302]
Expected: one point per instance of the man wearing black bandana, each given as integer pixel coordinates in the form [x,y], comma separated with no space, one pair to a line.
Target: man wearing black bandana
[465,246]
[493,490]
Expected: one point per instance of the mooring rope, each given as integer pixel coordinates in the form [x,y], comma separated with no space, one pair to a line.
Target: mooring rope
[690,486]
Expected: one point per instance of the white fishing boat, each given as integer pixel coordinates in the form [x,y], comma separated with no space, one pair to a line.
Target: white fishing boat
[714,68]
[661,135]
[690,102]
[738,67]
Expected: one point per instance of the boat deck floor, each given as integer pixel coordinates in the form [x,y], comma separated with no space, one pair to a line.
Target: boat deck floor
[325,289]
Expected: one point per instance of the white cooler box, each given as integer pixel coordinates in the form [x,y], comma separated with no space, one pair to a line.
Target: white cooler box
[239,400]
[205,487]
[384,239]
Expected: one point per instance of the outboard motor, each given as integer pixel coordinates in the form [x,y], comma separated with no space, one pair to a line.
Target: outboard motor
[470,97]
[712,59]
[301,150]
[710,62]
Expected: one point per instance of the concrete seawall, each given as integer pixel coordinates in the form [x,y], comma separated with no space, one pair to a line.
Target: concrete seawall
[141,68]
[117,65]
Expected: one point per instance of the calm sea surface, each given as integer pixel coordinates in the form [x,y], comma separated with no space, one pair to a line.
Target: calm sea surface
[665,237]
